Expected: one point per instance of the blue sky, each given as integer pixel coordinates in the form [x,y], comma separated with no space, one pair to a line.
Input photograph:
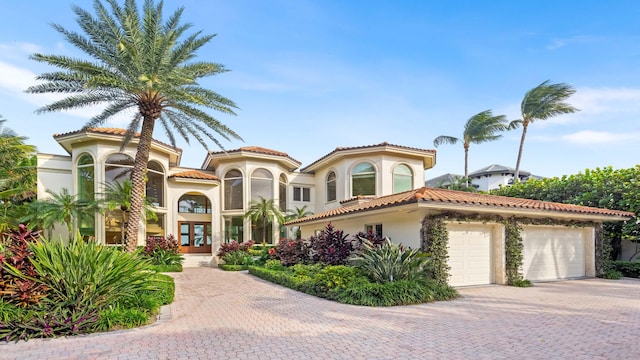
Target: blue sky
[309,76]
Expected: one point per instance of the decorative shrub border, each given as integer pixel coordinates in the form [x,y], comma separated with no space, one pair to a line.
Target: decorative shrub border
[513,251]
[434,240]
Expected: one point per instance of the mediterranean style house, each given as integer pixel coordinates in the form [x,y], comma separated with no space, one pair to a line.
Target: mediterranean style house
[375,187]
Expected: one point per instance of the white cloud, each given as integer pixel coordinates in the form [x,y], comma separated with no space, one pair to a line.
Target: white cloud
[588,137]
[562,42]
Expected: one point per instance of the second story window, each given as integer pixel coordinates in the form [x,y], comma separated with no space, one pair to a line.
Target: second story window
[301,194]
[331,186]
[363,180]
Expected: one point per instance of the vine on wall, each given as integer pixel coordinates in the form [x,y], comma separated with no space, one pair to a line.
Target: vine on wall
[434,240]
[513,251]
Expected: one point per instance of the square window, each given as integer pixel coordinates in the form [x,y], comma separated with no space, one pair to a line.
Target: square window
[374,228]
[301,194]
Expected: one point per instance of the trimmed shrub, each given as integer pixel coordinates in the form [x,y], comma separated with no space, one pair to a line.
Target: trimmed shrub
[228,267]
[166,268]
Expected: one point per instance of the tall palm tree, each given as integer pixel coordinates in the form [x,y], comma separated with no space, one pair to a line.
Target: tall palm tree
[61,208]
[298,213]
[481,127]
[140,62]
[540,103]
[117,195]
[264,211]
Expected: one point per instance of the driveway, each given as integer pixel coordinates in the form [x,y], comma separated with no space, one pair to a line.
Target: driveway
[226,315]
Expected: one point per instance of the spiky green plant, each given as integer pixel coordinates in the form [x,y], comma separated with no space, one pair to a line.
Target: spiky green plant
[391,262]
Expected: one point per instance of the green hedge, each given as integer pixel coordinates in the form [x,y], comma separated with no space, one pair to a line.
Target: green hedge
[167,268]
[228,267]
[348,285]
[628,268]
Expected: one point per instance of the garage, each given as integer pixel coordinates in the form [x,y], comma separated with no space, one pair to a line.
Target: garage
[470,255]
[552,253]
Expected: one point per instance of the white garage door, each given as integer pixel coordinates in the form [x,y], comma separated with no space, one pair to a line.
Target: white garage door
[469,255]
[552,253]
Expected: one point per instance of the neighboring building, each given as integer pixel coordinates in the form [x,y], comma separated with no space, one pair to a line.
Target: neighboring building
[485,179]
[375,187]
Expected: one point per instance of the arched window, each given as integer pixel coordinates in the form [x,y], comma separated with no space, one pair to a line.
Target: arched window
[86,192]
[331,186]
[155,184]
[261,184]
[233,190]
[117,168]
[283,192]
[363,180]
[194,204]
[402,179]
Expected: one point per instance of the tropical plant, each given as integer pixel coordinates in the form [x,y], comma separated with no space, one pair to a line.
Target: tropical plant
[138,61]
[481,127]
[391,262]
[331,246]
[117,195]
[264,211]
[61,208]
[291,252]
[163,251]
[541,103]
[295,214]
[226,248]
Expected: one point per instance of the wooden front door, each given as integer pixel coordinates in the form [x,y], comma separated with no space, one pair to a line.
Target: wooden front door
[195,237]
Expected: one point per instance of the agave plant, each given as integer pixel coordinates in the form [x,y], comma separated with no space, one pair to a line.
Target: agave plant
[391,262]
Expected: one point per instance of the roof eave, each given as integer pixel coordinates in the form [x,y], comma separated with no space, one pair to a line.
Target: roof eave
[510,211]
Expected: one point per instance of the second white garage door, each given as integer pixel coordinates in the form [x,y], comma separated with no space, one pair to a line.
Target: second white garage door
[552,253]
[469,254]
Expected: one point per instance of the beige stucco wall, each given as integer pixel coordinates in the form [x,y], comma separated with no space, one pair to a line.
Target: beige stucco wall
[54,174]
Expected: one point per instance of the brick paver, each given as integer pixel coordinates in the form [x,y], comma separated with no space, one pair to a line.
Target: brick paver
[226,315]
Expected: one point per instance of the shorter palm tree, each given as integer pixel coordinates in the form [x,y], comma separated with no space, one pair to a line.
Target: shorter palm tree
[264,211]
[481,127]
[117,195]
[298,213]
[61,208]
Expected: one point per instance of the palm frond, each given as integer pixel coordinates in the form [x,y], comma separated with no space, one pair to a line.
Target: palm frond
[547,100]
[443,139]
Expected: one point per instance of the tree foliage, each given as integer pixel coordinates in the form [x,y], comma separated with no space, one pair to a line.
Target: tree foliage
[615,189]
[137,62]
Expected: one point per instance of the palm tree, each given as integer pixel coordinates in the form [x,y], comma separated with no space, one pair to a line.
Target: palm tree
[265,211]
[117,195]
[143,63]
[481,127]
[540,103]
[61,208]
[298,213]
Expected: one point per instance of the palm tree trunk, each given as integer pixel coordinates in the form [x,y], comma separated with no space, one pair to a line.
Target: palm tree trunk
[516,176]
[466,165]
[264,229]
[138,182]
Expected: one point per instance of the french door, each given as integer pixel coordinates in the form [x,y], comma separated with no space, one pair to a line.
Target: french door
[195,237]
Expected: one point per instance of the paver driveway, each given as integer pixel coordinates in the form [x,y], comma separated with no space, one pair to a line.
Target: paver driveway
[220,315]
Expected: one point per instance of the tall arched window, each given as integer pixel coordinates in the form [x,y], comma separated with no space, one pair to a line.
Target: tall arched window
[331,186]
[363,180]
[117,168]
[283,192]
[155,184]
[402,179]
[233,198]
[86,192]
[261,184]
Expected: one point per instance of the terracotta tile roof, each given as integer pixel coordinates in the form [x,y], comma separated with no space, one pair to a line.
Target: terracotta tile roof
[257,150]
[382,144]
[109,131]
[193,174]
[452,197]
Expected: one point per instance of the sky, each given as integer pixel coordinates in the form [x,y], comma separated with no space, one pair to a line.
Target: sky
[312,75]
